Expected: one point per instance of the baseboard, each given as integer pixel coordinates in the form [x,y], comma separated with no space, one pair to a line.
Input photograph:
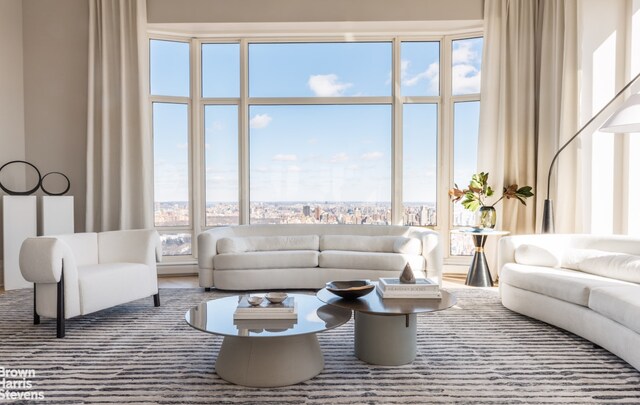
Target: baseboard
[177,269]
[455,269]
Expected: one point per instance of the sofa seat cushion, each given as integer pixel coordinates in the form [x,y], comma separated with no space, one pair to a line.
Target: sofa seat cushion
[564,284]
[241,244]
[359,243]
[370,260]
[110,284]
[281,259]
[619,303]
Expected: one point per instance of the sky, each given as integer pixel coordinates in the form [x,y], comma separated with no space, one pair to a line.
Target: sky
[312,152]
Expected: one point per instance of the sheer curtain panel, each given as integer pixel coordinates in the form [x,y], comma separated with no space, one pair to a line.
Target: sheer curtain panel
[119,167]
[529,105]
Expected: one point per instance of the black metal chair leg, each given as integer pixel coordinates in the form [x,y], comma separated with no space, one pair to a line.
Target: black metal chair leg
[36,317]
[156,300]
[60,309]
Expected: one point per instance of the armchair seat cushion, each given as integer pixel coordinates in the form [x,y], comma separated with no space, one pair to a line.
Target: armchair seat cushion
[109,284]
[279,259]
[341,259]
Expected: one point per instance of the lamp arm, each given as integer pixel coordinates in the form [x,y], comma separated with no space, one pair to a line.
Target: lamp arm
[582,129]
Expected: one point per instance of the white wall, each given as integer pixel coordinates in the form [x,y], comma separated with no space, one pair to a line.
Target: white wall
[56,38]
[606,66]
[250,11]
[12,142]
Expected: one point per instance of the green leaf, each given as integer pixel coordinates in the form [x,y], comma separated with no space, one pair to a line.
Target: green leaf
[525,192]
[489,191]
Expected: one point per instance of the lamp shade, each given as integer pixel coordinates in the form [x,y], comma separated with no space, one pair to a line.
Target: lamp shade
[626,118]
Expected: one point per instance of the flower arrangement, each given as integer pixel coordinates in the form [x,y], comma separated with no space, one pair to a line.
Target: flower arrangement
[475,195]
[479,190]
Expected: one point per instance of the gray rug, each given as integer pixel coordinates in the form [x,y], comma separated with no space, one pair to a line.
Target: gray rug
[477,352]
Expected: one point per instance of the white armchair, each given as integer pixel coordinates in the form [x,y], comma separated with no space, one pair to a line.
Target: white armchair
[81,273]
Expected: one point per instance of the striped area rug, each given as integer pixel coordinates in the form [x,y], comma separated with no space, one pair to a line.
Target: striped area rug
[477,352]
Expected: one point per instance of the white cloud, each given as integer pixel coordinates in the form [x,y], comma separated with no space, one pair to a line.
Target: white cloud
[182,145]
[294,169]
[463,53]
[327,85]
[260,121]
[284,158]
[465,79]
[431,75]
[465,74]
[339,157]
[372,156]
[353,167]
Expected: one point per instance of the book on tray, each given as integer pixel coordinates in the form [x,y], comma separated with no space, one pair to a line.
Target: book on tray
[423,288]
[258,325]
[266,310]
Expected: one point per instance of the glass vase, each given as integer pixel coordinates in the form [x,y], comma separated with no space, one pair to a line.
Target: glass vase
[486,218]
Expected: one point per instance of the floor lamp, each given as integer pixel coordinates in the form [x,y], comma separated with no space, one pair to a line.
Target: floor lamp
[624,119]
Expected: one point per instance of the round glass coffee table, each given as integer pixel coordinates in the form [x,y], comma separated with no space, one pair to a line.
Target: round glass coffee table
[386,329]
[268,352]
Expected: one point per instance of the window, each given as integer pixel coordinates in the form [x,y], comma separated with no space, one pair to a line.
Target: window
[169,83]
[466,55]
[255,131]
[320,164]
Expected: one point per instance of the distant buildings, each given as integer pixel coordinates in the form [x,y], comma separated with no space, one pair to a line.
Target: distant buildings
[177,214]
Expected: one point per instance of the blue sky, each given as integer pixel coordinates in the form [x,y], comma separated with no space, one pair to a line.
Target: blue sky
[319,152]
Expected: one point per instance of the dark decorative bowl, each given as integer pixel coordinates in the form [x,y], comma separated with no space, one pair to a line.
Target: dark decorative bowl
[350,289]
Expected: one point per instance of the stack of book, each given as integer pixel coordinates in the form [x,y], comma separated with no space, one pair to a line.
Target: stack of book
[423,288]
[259,325]
[286,310]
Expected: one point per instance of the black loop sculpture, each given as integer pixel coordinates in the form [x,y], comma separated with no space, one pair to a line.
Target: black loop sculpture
[40,183]
[47,192]
[27,192]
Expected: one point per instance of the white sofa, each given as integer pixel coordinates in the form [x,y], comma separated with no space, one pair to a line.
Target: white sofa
[258,257]
[586,284]
[81,273]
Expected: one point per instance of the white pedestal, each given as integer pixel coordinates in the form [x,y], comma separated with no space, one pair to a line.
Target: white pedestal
[19,223]
[55,215]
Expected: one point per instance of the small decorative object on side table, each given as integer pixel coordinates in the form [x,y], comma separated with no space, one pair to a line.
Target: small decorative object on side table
[479,274]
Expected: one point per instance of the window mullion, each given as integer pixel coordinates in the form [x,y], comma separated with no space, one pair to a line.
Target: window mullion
[397,206]
[445,163]
[243,134]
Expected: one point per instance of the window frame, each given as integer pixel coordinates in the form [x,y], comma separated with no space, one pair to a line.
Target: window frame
[196,103]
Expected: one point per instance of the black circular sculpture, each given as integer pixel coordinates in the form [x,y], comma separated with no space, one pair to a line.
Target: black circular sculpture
[26,192]
[47,192]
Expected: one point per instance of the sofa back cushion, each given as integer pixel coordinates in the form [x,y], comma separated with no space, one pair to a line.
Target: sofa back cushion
[384,244]
[267,243]
[615,265]
[83,245]
[534,255]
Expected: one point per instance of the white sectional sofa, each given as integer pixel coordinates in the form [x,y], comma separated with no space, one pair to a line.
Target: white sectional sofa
[586,284]
[258,257]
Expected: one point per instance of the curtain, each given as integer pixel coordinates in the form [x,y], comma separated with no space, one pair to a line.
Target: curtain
[119,169]
[529,104]
[558,114]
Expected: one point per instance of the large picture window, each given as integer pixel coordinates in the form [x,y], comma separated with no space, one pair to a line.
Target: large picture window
[340,132]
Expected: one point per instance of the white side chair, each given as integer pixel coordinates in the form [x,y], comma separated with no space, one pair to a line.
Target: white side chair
[81,273]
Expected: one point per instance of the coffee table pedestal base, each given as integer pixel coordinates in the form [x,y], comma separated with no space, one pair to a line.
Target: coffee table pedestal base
[387,340]
[269,362]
